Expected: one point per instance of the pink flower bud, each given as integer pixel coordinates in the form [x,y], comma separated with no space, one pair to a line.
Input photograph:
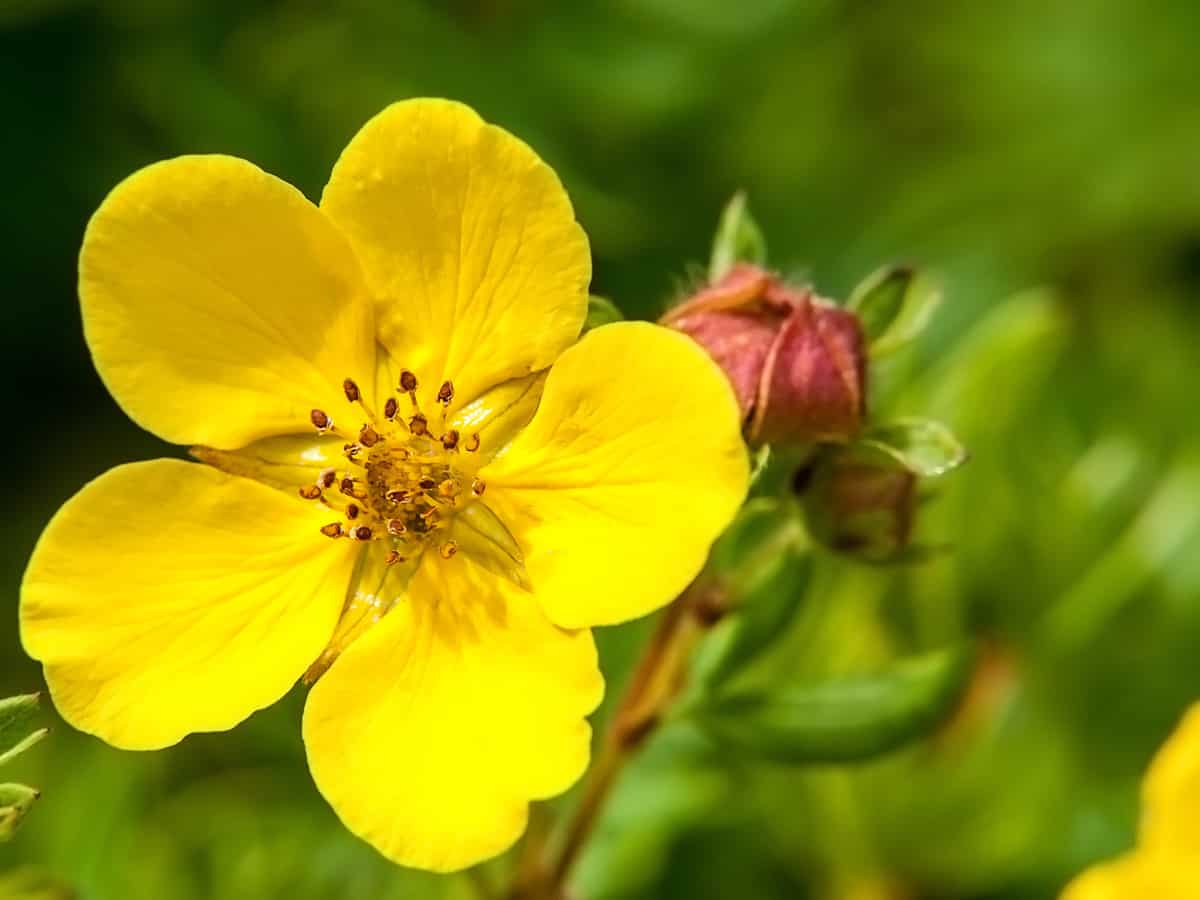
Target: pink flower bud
[797,363]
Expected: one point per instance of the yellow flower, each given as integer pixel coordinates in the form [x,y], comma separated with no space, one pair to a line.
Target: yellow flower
[1166,863]
[433,552]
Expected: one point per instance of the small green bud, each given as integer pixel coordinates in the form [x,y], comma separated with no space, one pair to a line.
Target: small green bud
[15,802]
[859,501]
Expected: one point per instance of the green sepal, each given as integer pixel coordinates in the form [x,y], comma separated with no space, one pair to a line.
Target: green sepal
[923,446]
[894,304]
[738,239]
[844,719]
[601,311]
[15,803]
[15,714]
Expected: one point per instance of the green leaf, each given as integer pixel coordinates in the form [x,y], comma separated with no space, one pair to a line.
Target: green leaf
[924,446]
[601,311]
[738,239]
[846,719]
[15,714]
[15,803]
[894,305]
[764,560]
[879,298]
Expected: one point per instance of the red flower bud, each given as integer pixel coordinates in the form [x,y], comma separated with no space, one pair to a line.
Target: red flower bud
[797,363]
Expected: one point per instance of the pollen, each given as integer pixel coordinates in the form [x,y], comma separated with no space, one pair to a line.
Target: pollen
[402,482]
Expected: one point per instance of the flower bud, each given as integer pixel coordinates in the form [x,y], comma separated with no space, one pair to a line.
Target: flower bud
[859,502]
[796,362]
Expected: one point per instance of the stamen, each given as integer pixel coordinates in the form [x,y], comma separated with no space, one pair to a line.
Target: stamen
[352,450]
[352,392]
[478,487]
[418,424]
[333,530]
[472,443]
[368,436]
[427,484]
[362,533]
[448,488]
[390,409]
[310,492]
[449,549]
[327,478]
[350,488]
[408,385]
[320,420]
[393,557]
[396,496]
[396,527]
[450,439]
[352,511]
[445,393]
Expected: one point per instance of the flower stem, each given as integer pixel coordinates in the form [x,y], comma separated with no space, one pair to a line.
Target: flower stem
[656,682]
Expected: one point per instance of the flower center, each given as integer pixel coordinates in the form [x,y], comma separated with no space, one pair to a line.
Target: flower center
[403,482]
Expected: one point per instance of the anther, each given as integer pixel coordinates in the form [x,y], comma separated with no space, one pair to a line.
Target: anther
[368,436]
[352,392]
[396,527]
[327,478]
[390,409]
[478,487]
[349,488]
[472,443]
[418,424]
[352,511]
[450,439]
[396,496]
[320,420]
[448,488]
[445,393]
[333,530]
[427,484]
[393,557]
[310,492]
[408,381]
[362,533]
[449,549]
[351,450]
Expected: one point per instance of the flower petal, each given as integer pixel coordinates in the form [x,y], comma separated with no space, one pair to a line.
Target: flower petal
[469,244]
[632,466]
[1171,791]
[433,731]
[1140,875]
[167,597]
[221,306]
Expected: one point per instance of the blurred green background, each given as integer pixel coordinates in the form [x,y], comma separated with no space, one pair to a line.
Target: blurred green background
[1041,159]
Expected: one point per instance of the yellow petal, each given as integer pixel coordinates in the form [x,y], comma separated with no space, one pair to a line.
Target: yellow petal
[1138,876]
[167,597]
[433,731]
[221,306]
[469,244]
[1171,792]
[632,466]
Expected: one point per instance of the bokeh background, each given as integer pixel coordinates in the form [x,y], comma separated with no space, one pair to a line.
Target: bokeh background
[1041,159]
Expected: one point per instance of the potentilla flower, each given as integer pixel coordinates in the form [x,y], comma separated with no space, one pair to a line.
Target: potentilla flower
[1166,863]
[796,362]
[402,503]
